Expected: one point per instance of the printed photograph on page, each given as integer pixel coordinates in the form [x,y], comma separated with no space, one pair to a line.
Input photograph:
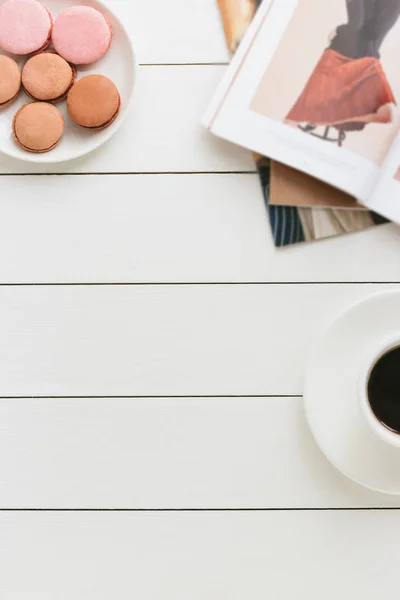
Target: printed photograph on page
[335,75]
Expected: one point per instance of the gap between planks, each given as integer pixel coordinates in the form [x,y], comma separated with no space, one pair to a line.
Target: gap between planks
[144,397]
[131,173]
[202,510]
[186,64]
[193,283]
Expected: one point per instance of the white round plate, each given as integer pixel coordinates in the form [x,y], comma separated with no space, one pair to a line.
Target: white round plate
[118,64]
[331,398]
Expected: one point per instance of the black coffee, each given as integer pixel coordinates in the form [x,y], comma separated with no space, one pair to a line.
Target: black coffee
[384,389]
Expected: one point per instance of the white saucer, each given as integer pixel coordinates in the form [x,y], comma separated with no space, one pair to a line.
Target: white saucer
[118,64]
[331,398]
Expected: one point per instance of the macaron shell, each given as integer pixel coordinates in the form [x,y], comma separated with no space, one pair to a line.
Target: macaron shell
[94,102]
[10,80]
[109,122]
[82,35]
[25,26]
[38,127]
[48,77]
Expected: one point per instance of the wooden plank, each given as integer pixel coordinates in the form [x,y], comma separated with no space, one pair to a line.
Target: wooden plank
[167,453]
[162,131]
[182,31]
[190,228]
[163,340]
[92,556]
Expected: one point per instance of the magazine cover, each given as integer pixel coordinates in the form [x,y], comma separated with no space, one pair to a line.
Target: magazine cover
[293,224]
[314,191]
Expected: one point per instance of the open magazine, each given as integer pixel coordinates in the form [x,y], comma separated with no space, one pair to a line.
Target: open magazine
[314,85]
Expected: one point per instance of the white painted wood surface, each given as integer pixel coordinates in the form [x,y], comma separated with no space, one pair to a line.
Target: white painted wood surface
[175,32]
[199,555]
[164,340]
[175,228]
[165,203]
[168,453]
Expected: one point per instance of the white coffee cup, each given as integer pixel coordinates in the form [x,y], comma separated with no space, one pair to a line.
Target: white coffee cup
[373,356]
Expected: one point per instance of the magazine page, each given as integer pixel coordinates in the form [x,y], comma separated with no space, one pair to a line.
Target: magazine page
[306,218]
[314,85]
[385,197]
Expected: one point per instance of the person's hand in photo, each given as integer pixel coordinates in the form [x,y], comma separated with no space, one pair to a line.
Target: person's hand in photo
[332,35]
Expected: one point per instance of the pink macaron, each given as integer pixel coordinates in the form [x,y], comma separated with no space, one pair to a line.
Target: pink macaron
[25,26]
[82,35]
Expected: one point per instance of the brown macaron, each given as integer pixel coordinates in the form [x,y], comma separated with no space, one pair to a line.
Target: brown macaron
[94,102]
[10,80]
[38,127]
[48,77]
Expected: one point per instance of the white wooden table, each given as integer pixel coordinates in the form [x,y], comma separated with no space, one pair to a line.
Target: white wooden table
[153,343]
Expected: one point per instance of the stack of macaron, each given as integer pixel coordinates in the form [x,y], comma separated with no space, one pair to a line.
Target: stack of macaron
[55,48]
